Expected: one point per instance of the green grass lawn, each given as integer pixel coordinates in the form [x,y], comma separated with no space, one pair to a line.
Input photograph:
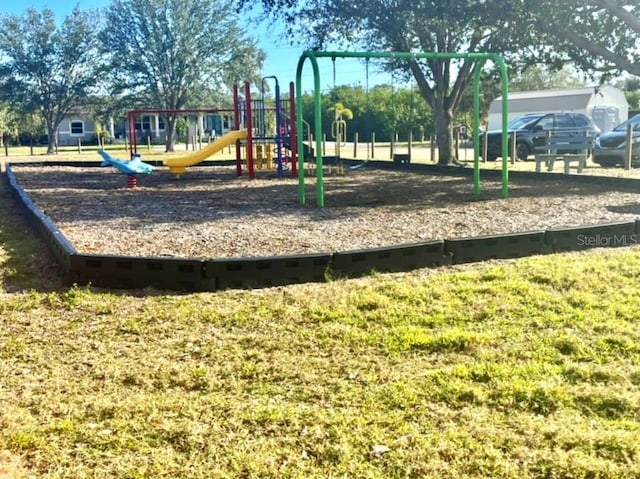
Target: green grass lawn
[514,369]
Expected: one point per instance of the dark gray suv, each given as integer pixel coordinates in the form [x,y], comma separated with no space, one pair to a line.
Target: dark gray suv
[532,129]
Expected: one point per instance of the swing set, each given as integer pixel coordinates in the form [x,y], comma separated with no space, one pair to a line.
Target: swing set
[339,125]
[481,58]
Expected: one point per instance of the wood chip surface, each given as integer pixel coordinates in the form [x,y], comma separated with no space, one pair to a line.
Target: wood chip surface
[209,213]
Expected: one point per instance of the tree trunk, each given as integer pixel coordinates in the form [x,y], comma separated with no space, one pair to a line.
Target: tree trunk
[443,120]
[52,138]
[170,140]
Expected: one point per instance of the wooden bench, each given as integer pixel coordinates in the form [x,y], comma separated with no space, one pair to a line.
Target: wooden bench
[567,147]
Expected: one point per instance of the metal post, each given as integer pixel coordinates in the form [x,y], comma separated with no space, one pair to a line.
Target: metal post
[355,144]
[293,133]
[373,144]
[392,146]
[279,126]
[236,125]
[456,140]
[485,146]
[133,135]
[432,147]
[249,125]
[628,149]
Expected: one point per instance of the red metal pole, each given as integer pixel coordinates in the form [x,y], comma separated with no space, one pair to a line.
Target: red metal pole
[249,127]
[293,129]
[133,140]
[130,132]
[135,133]
[236,125]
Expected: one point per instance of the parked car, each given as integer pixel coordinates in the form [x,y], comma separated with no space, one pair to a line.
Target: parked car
[610,148]
[531,130]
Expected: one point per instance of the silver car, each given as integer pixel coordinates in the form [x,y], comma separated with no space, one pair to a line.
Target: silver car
[610,148]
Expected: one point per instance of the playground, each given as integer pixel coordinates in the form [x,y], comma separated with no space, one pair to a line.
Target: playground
[268,199]
[510,369]
[210,213]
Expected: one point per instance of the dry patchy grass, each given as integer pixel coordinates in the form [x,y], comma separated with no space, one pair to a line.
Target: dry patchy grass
[517,369]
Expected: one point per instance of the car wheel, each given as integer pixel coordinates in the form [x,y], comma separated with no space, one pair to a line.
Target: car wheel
[522,151]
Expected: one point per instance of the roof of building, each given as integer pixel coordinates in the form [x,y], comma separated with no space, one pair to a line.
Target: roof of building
[567,99]
[517,95]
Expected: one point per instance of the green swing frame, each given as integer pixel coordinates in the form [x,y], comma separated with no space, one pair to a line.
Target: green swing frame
[480,58]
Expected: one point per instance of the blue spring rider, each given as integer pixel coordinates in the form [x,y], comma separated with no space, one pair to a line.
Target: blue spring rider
[131,168]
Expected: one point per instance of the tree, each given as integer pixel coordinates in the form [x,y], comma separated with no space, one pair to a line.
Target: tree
[411,26]
[382,110]
[539,77]
[631,88]
[4,123]
[28,128]
[340,111]
[47,69]
[339,125]
[599,35]
[166,53]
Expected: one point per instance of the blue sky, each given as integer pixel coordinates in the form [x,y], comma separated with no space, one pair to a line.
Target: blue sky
[282,58]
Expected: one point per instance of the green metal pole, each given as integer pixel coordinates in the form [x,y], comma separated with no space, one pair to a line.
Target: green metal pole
[504,75]
[317,107]
[476,120]
[300,140]
[476,129]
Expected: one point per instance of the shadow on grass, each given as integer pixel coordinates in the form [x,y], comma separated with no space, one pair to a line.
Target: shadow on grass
[25,261]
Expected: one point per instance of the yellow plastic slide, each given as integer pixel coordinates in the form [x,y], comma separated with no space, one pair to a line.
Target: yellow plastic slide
[179,164]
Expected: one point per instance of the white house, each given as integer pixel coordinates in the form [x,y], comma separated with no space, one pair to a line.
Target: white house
[606,105]
[149,127]
[74,128]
